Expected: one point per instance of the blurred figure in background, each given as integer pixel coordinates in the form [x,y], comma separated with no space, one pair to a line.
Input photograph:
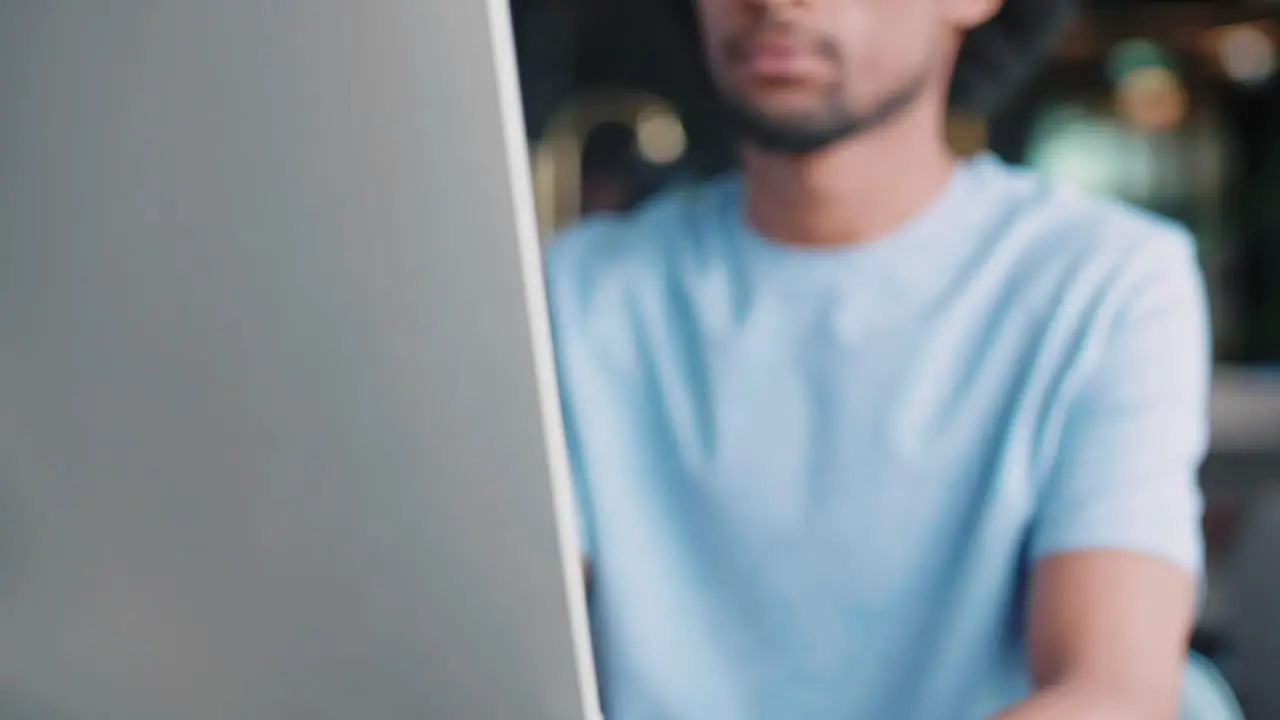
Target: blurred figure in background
[615,175]
[611,169]
[869,431]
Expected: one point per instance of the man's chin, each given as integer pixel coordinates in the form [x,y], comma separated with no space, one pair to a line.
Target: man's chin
[794,126]
[786,134]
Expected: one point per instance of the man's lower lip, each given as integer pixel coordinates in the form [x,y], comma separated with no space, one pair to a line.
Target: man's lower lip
[778,64]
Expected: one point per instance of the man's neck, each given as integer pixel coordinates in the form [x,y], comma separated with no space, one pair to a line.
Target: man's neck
[856,190]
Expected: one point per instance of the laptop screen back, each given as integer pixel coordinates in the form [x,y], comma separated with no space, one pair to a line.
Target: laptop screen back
[278,431]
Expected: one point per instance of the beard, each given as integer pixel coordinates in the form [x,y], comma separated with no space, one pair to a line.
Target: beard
[835,118]
[835,121]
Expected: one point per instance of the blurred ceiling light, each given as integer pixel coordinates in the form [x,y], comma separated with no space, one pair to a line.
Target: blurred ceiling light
[1152,98]
[1247,53]
[1076,147]
[1149,94]
[660,136]
[1099,154]
[1135,54]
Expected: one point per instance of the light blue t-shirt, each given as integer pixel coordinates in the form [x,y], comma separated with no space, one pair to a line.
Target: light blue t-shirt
[812,483]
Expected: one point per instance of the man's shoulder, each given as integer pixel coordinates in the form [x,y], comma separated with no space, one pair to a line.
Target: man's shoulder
[1089,271]
[617,251]
[1066,219]
[1084,237]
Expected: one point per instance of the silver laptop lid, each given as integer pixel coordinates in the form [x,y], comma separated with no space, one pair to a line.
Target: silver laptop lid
[278,431]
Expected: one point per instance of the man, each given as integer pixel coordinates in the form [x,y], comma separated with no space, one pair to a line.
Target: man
[866,431]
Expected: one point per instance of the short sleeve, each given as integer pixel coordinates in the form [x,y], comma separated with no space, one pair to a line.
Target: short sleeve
[1124,471]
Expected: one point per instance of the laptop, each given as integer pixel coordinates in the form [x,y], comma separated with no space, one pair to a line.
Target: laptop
[279,436]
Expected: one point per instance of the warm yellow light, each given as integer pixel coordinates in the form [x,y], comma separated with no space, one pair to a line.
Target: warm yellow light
[967,134]
[660,136]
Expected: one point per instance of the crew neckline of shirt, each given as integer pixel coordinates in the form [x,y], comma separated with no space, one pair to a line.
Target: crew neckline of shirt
[930,234]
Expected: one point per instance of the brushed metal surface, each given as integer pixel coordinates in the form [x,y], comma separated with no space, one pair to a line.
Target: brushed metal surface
[278,436]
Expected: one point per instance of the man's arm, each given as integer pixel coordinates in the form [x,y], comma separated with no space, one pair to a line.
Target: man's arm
[1108,637]
[1115,547]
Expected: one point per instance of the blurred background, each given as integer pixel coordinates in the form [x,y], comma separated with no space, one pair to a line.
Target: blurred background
[1170,104]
